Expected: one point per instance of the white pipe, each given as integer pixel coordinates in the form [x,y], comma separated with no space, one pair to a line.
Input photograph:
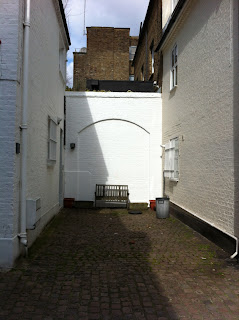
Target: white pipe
[23,233]
[212,225]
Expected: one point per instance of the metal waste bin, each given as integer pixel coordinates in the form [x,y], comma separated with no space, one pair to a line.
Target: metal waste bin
[162,208]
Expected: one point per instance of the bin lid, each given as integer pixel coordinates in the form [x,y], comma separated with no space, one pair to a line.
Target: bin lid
[163,198]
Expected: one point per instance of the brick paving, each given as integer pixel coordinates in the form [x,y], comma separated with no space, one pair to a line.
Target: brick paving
[108,264]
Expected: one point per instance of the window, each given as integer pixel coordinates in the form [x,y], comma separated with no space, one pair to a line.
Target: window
[52,139]
[152,57]
[132,50]
[174,68]
[171,168]
[131,77]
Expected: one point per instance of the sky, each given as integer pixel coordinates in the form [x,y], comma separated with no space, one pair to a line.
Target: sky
[101,13]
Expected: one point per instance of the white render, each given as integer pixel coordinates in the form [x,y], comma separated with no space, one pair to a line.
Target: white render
[117,140]
[167,9]
[201,110]
[46,98]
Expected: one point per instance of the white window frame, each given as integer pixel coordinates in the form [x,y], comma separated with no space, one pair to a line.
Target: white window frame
[132,50]
[142,72]
[174,67]
[171,161]
[152,57]
[52,140]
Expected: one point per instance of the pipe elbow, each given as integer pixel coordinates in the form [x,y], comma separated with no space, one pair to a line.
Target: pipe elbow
[23,239]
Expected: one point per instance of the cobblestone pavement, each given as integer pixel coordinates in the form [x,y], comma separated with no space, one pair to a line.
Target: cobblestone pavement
[108,264]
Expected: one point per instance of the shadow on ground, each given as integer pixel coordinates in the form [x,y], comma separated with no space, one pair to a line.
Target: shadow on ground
[108,264]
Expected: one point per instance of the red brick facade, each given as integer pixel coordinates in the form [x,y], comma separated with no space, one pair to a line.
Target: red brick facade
[107,56]
[149,37]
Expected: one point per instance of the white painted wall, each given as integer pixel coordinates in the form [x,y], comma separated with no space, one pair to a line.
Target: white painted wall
[200,112]
[10,111]
[117,137]
[167,9]
[46,98]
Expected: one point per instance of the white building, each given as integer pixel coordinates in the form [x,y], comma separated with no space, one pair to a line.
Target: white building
[31,119]
[200,109]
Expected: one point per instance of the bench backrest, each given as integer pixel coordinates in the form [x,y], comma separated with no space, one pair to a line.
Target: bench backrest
[111,192]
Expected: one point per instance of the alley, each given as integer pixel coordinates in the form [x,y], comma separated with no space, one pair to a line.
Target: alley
[108,264]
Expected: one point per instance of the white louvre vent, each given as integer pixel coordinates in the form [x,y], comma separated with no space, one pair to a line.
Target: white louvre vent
[33,212]
[171,169]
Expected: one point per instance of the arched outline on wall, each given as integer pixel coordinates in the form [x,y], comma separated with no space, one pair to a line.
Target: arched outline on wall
[114,119]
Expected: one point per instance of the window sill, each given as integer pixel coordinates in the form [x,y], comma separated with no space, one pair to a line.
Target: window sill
[173,89]
[51,163]
[173,179]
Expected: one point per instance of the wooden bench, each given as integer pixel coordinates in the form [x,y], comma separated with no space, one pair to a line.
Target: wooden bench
[114,195]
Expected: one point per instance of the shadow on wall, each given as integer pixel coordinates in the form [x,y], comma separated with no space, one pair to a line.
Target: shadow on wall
[87,154]
[108,147]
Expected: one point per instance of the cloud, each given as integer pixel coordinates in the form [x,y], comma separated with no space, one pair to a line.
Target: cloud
[69,74]
[102,13]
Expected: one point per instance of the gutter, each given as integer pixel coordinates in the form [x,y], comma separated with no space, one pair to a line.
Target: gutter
[23,176]
[171,22]
[64,21]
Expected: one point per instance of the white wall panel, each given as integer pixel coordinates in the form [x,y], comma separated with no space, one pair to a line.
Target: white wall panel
[118,137]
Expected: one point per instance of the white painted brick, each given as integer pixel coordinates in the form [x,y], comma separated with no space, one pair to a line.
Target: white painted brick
[200,112]
[46,98]
[113,151]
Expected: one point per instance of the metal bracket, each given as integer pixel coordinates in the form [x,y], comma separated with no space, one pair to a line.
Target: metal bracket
[23,126]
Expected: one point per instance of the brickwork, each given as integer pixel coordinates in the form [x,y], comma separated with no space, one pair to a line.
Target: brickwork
[107,56]
[108,264]
[79,71]
[148,39]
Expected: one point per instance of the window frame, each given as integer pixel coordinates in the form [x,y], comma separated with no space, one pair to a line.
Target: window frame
[171,161]
[142,73]
[52,141]
[132,54]
[152,57]
[174,67]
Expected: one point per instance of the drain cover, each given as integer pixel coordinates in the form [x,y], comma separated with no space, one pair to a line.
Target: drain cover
[135,212]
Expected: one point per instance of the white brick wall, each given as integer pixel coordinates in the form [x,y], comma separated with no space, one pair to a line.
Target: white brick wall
[46,98]
[200,112]
[122,151]
[10,16]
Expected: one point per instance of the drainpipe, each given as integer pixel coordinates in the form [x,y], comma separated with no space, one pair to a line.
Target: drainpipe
[235,254]
[23,233]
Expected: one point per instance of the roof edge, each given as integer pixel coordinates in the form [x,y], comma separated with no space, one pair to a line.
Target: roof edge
[171,22]
[64,21]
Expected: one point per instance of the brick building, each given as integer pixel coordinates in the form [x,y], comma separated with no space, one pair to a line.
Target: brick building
[108,56]
[147,63]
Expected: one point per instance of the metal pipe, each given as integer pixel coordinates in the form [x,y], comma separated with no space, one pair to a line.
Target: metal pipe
[23,234]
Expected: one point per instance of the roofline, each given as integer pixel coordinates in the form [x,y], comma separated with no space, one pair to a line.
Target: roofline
[172,20]
[64,21]
[107,28]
